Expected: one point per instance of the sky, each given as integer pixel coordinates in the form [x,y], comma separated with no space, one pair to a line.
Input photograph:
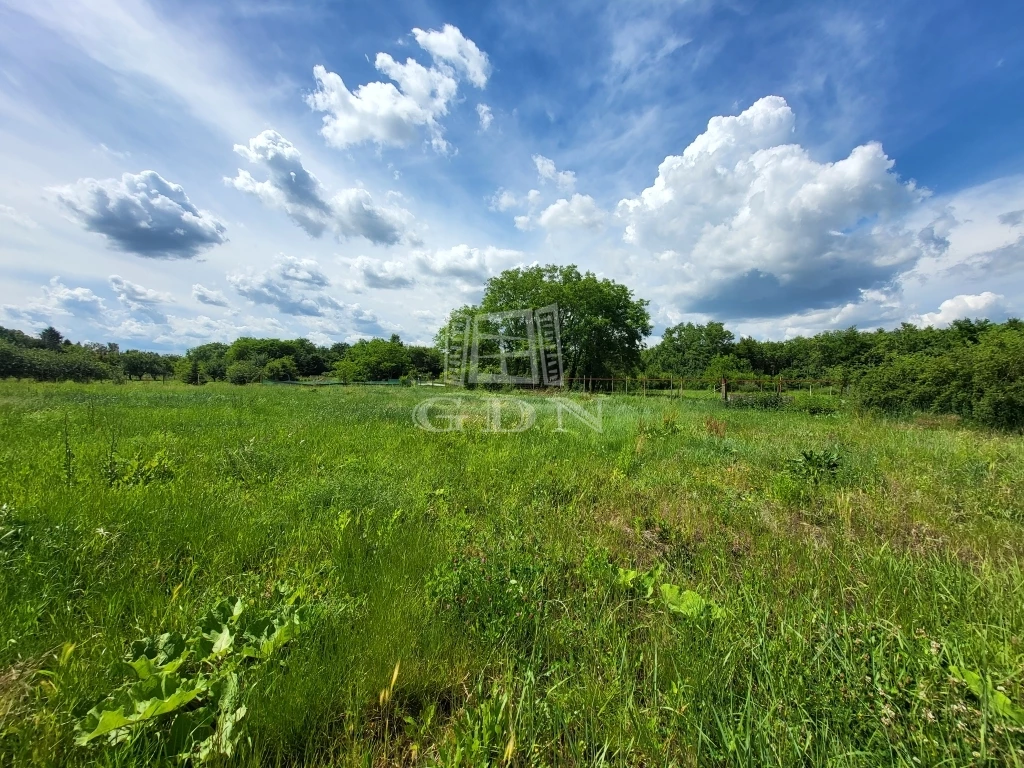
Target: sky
[183,172]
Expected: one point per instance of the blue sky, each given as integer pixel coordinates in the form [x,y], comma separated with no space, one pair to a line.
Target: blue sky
[184,172]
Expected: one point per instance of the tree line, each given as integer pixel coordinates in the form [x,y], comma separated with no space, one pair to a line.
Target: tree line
[51,357]
[973,368]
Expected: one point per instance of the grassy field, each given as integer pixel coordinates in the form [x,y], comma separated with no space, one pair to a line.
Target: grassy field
[672,590]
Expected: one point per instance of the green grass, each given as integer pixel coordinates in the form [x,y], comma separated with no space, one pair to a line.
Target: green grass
[494,569]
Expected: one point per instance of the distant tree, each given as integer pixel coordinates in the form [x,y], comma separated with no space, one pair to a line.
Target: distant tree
[190,371]
[377,359]
[281,369]
[425,361]
[688,349]
[243,372]
[51,338]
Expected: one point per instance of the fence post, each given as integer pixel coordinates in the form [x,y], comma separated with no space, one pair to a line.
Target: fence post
[725,389]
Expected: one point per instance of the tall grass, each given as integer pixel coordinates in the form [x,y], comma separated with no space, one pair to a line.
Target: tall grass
[488,570]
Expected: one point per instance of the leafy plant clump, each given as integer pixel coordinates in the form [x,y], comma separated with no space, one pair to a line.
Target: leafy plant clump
[816,466]
[184,692]
[678,601]
[138,471]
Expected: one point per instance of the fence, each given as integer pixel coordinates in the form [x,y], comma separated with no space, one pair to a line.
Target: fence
[627,385]
[644,386]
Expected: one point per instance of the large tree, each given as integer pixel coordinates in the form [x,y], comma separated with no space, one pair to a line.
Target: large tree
[602,325]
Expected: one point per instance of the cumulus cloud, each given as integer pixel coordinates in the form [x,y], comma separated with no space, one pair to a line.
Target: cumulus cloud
[133,293]
[751,226]
[395,112]
[58,300]
[485,115]
[205,295]
[451,46]
[546,170]
[579,211]
[986,304]
[294,286]
[296,191]
[143,214]
[462,263]
[385,275]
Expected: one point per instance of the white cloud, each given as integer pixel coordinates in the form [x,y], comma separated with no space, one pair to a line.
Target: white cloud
[205,295]
[472,266]
[546,170]
[986,304]
[142,214]
[294,286]
[133,293]
[451,46]
[383,275]
[7,212]
[395,112]
[750,226]
[579,211]
[296,191]
[58,301]
[485,115]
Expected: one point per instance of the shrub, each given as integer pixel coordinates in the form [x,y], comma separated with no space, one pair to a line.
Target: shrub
[244,372]
[281,369]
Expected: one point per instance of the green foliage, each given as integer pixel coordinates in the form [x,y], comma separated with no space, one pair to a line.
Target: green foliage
[190,371]
[183,693]
[137,470]
[243,372]
[375,360]
[688,350]
[602,325]
[982,381]
[816,466]
[281,369]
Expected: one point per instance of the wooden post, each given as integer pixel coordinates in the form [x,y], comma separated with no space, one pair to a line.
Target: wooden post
[725,389]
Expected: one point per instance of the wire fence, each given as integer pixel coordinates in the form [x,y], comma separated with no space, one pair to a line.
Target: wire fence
[627,385]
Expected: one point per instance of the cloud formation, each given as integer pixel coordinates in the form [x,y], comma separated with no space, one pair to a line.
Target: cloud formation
[205,295]
[294,190]
[383,275]
[579,211]
[134,294]
[292,285]
[546,170]
[394,113]
[143,214]
[986,304]
[58,300]
[485,115]
[466,265]
[751,226]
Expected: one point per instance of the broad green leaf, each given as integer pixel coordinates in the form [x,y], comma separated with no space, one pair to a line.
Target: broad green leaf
[189,729]
[99,723]
[688,603]
[998,701]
